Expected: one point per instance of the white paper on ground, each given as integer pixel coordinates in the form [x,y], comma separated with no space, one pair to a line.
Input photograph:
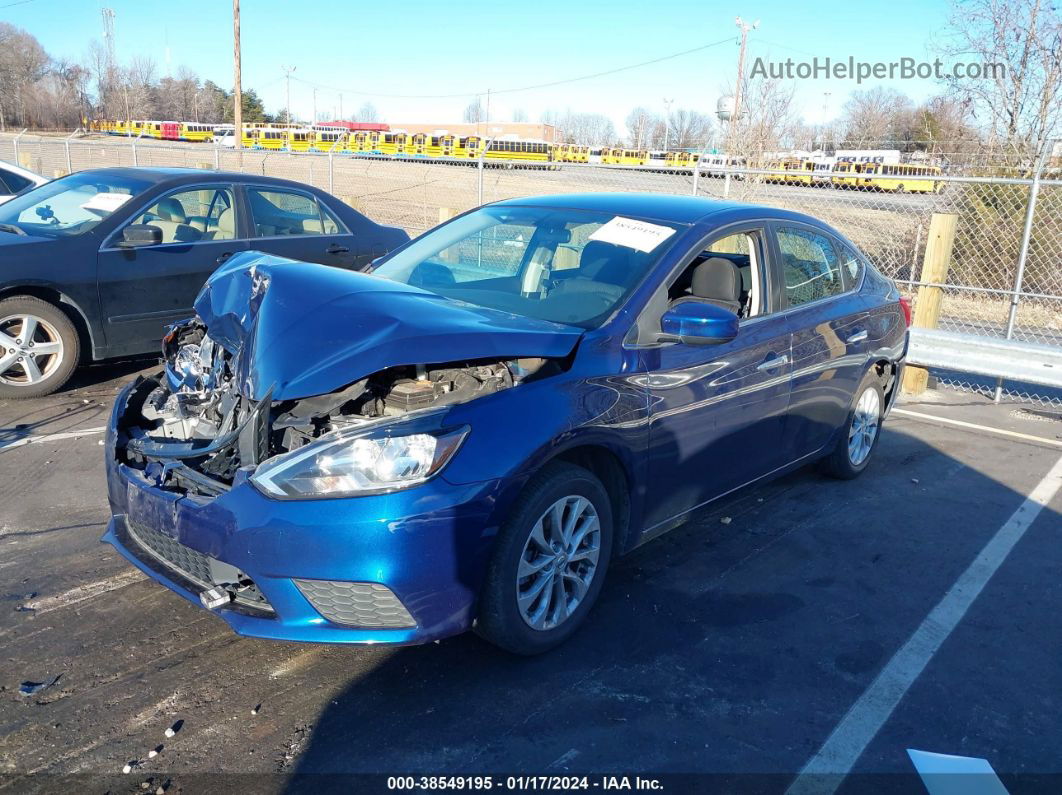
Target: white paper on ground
[106,202]
[639,235]
[944,774]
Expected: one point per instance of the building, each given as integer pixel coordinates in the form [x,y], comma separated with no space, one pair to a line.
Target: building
[512,130]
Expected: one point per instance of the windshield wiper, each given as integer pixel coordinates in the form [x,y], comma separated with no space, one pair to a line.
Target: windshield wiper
[15,230]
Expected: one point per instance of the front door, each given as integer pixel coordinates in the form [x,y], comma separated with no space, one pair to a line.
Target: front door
[717,411]
[144,289]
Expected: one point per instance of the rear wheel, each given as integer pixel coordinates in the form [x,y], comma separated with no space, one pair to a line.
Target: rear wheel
[855,446]
[39,347]
[549,562]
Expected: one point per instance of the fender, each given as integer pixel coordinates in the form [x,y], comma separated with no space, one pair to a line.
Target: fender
[48,291]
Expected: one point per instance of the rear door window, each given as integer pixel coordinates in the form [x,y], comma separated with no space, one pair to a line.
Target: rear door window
[281,213]
[810,267]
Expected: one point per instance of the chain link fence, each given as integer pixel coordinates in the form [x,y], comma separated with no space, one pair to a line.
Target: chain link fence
[1004,280]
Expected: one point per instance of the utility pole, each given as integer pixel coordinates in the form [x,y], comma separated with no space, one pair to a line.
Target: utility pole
[744,27]
[287,71]
[667,119]
[341,116]
[314,107]
[237,112]
[825,117]
[488,112]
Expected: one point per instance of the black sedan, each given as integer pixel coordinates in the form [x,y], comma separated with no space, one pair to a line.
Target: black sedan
[96,264]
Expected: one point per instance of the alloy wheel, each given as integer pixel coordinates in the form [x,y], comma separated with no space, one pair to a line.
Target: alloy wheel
[558,563]
[30,349]
[864,429]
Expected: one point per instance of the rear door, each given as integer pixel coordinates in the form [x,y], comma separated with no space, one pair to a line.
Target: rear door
[293,223]
[828,321]
[144,289]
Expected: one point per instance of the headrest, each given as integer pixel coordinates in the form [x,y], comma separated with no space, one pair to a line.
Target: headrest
[171,210]
[718,279]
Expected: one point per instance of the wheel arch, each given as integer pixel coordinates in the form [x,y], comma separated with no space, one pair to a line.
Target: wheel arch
[65,304]
[608,467]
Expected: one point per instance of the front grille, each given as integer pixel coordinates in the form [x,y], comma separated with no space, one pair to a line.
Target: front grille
[356,604]
[194,566]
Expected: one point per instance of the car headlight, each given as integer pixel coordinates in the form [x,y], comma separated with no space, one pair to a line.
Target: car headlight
[358,465]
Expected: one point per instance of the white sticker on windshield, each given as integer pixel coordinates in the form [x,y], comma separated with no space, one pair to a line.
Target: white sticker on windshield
[639,235]
[106,203]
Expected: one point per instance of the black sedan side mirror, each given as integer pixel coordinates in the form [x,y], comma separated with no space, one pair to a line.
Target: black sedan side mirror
[698,323]
[140,235]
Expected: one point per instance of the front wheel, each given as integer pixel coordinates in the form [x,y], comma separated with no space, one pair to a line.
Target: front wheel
[854,447]
[39,347]
[549,562]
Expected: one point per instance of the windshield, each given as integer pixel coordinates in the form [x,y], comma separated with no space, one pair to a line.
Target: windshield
[69,206]
[564,265]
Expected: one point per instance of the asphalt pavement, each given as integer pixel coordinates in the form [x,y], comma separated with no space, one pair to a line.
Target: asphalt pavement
[738,646]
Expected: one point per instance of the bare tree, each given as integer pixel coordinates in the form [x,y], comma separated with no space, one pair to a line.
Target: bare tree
[640,123]
[367,113]
[689,129]
[22,63]
[473,113]
[519,115]
[877,116]
[1020,104]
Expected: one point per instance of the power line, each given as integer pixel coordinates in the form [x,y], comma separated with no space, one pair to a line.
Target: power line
[19,3]
[520,88]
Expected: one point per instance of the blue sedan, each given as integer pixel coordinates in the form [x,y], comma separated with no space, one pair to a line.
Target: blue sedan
[467,436]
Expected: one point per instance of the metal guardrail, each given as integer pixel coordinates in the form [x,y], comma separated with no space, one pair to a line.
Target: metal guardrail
[1009,359]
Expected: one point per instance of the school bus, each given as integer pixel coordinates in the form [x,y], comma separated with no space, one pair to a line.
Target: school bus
[519,150]
[681,159]
[193,131]
[297,140]
[626,157]
[270,138]
[327,139]
[850,174]
[902,178]
[470,147]
[572,153]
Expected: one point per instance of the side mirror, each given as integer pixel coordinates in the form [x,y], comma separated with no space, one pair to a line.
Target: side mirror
[140,235]
[698,323]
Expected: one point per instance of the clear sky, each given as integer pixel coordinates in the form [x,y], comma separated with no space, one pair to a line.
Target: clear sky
[373,51]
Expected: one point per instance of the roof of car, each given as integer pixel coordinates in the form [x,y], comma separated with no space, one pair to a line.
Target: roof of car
[661,206]
[179,176]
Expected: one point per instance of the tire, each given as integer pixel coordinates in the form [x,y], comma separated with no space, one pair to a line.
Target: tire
[507,608]
[848,458]
[52,332]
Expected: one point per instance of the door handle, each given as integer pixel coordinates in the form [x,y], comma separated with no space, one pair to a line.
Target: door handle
[859,336]
[774,363]
[335,248]
[223,257]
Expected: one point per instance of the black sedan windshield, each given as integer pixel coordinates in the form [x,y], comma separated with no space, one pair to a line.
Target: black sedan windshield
[69,206]
[564,265]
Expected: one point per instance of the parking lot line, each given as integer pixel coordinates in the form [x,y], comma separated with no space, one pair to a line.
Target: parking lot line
[1028,437]
[50,437]
[825,771]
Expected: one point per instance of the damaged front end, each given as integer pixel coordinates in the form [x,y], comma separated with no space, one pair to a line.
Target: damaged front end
[283,355]
[191,430]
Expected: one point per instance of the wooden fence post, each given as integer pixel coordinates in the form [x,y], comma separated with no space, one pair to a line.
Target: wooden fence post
[935,266]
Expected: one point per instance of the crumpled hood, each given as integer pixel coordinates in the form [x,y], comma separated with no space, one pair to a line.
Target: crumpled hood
[304,329]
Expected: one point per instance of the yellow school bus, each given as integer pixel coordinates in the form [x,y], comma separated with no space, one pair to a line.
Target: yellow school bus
[849,174]
[519,150]
[193,131]
[681,159]
[470,146]
[626,157]
[328,139]
[270,138]
[902,178]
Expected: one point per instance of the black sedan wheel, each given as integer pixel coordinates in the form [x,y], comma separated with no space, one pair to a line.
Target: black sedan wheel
[38,347]
[549,563]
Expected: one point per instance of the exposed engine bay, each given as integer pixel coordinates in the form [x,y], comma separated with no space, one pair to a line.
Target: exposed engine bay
[192,430]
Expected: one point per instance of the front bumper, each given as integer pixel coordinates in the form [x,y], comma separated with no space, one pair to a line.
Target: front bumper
[427,546]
